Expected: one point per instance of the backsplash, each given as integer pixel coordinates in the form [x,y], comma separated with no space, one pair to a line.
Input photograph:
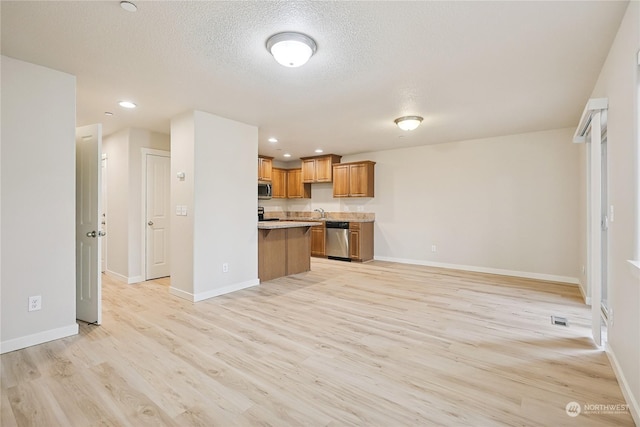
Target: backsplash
[346,216]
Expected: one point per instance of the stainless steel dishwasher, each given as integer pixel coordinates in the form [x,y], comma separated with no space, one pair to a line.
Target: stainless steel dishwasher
[337,245]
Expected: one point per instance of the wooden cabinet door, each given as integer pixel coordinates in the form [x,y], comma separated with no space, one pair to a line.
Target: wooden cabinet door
[294,185]
[354,244]
[324,169]
[279,183]
[318,241]
[358,174]
[265,166]
[309,170]
[341,180]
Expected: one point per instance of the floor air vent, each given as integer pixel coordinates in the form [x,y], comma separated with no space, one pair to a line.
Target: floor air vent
[560,321]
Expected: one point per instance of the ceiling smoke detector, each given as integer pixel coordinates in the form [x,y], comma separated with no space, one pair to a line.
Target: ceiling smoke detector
[291,49]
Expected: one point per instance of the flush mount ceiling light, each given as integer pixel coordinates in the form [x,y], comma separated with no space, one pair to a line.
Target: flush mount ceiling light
[408,122]
[128,6]
[287,155]
[127,104]
[291,49]
[273,140]
[319,150]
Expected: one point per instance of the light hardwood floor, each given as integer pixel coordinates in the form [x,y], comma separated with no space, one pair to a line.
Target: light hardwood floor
[379,344]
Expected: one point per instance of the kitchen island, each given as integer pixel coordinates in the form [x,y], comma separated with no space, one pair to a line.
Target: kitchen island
[284,248]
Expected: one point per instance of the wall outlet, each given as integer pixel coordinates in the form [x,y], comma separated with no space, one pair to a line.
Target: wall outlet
[35,303]
[360,208]
[434,248]
[584,270]
[225,267]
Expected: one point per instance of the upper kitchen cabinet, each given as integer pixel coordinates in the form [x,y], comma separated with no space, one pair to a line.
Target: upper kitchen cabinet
[318,168]
[265,168]
[296,189]
[279,183]
[353,179]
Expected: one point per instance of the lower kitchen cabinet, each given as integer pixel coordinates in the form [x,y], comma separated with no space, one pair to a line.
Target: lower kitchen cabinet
[361,241]
[318,235]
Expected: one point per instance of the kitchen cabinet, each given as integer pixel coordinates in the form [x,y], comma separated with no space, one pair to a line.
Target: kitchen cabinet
[361,241]
[283,249]
[318,168]
[296,189]
[265,167]
[318,235]
[353,179]
[279,183]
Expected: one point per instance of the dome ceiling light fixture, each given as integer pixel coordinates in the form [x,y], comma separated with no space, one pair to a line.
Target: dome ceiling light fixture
[291,49]
[128,6]
[408,122]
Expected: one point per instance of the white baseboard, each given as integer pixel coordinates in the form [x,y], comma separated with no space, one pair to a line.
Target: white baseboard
[125,279]
[226,290]
[117,276]
[135,279]
[39,338]
[501,272]
[214,292]
[585,297]
[180,293]
[632,401]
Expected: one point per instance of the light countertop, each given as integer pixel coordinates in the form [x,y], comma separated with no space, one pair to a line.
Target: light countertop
[271,225]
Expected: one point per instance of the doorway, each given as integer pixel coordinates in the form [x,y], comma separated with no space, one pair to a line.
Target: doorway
[156,173]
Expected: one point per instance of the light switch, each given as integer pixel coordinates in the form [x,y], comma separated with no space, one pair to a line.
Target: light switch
[611,213]
[184,210]
[178,210]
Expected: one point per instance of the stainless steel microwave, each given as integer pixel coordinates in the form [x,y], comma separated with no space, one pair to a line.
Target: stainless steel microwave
[264,190]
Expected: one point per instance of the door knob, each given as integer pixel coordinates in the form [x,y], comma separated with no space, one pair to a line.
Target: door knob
[150,223]
[101,233]
[91,234]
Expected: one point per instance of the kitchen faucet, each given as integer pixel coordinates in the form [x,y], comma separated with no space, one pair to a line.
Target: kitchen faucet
[321,212]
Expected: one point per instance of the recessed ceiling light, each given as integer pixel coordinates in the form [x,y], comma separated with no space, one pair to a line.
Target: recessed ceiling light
[272,139]
[128,6]
[319,150]
[108,113]
[287,155]
[408,122]
[291,49]
[127,104]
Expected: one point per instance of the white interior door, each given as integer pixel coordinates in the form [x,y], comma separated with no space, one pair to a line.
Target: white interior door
[88,177]
[158,203]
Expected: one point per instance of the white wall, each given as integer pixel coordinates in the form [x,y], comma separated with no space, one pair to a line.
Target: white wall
[38,203]
[182,193]
[507,204]
[219,157]
[618,82]
[125,246]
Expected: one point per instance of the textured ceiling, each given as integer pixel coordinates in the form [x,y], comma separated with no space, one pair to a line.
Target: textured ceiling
[471,69]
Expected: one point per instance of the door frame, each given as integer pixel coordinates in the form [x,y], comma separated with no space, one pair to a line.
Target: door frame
[590,130]
[143,219]
[104,170]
